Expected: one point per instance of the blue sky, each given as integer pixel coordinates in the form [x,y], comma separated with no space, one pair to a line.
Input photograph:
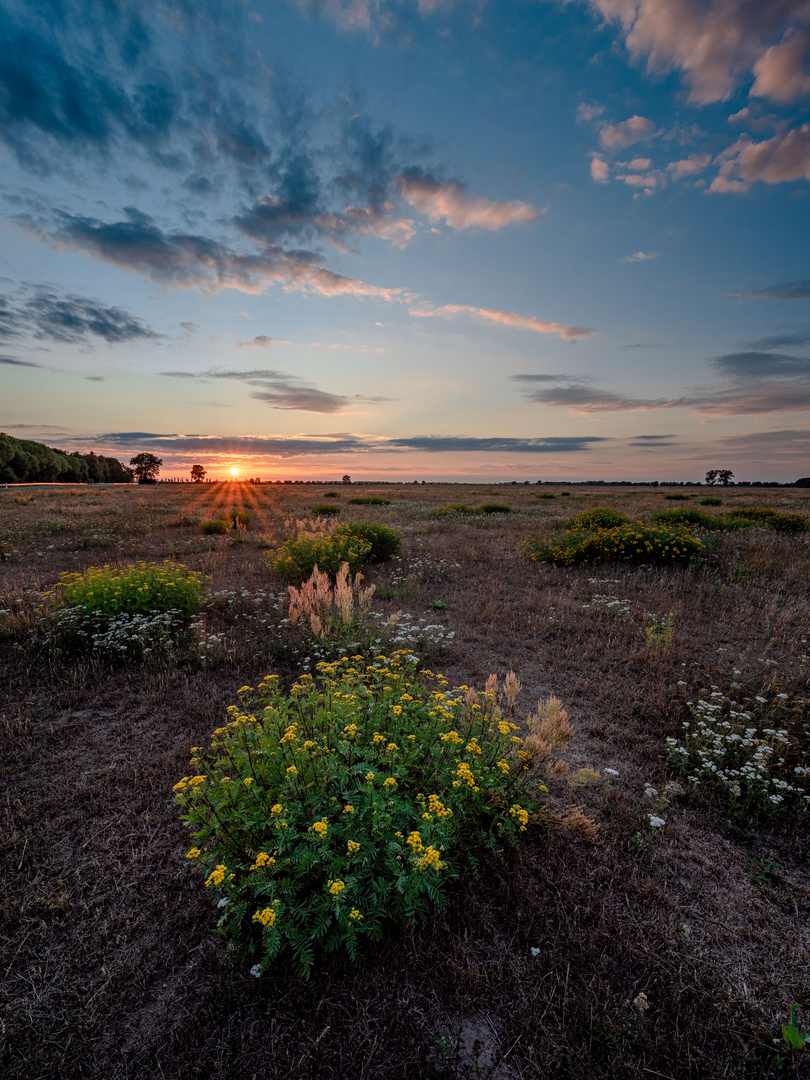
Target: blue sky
[444,240]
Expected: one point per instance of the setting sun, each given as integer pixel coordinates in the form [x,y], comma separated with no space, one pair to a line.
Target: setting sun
[234,472]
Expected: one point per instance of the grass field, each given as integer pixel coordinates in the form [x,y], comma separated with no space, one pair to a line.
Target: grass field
[671,951]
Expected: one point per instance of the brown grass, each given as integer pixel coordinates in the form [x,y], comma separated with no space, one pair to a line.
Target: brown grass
[110,969]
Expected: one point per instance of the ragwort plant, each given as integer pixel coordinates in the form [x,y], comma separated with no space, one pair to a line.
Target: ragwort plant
[634,542]
[323,816]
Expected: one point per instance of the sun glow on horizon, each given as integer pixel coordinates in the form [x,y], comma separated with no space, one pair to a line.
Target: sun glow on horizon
[234,471]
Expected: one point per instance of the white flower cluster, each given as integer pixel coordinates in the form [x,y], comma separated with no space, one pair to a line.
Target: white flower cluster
[410,571]
[122,637]
[726,745]
[603,604]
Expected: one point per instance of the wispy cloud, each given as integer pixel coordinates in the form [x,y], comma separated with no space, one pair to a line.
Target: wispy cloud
[18,363]
[277,389]
[68,318]
[505,318]
[262,341]
[640,256]
[791,290]
[783,158]
[718,44]
[448,201]
[626,133]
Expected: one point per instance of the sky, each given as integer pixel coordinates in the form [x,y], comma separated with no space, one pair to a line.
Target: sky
[409,239]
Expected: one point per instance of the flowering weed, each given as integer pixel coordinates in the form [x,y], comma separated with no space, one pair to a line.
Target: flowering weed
[323,815]
[634,542]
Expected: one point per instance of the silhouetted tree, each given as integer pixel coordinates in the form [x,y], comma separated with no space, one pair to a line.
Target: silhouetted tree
[719,476]
[146,467]
[197,474]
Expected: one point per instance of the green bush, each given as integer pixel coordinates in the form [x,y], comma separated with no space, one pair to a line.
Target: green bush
[790,523]
[678,497]
[369,500]
[239,517]
[710,501]
[332,495]
[142,589]
[494,508]
[385,541]
[634,542]
[322,816]
[324,510]
[601,517]
[298,556]
[694,517]
[751,513]
[548,495]
[453,508]
[215,527]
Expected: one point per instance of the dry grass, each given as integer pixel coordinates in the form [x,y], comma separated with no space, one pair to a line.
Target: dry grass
[110,968]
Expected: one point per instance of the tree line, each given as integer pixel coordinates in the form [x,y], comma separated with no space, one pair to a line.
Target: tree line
[25,461]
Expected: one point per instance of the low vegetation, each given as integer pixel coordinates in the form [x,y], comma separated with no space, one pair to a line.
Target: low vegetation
[619,897]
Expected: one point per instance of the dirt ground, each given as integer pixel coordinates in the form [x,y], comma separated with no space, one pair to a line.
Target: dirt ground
[534,969]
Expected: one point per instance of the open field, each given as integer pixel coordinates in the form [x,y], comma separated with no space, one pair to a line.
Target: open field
[110,968]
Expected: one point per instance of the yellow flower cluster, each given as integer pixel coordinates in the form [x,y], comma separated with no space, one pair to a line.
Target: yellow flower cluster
[430,858]
[389,782]
[378,738]
[336,887]
[522,815]
[503,766]
[194,853]
[437,807]
[350,730]
[352,847]
[451,736]
[267,917]
[321,827]
[217,876]
[465,773]
[355,914]
[277,809]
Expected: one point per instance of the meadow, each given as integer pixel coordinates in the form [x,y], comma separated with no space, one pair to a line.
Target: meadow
[651,921]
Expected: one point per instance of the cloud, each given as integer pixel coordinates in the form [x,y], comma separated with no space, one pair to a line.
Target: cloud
[18,363]
[68,318]
[262,341]
[762,365]
[689,166]
[190,261]
[792,290]
[448,201]
[600,170]
[587,113]
[787,340]
[717,44]
[281,446]
[781,159]
[640,256]
[581,397]
[784,443]
[506,318]
[630,131]
[277,389]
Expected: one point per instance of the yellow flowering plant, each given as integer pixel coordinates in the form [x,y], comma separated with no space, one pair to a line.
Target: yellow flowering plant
[140,589]
[343,833]
[633,542]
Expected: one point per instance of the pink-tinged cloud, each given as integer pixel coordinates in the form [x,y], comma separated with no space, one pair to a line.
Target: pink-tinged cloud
[689,166]
[506,318]
[717,43]
[600,170]
[780,72]
[262,341]
[783,158]
[619,136]
[448,201]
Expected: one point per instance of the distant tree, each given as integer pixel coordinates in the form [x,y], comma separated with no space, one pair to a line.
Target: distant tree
[803,482]
[146,467]
[347,479]
[197,474]
[719,476]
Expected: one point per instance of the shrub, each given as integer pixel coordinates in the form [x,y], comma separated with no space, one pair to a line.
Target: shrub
[298,556]
[331,495]
[321,816]
[790,523]
[634,542]
[369,500]
[385,541]
[324,510]
[710,501]
[494,508]
[142,589]
[751,513]
[239,518]
[547,495]
[215,527]
[601,517]
[453,508]
[678,496]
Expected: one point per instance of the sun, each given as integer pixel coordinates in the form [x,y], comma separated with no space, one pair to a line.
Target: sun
[234,471]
